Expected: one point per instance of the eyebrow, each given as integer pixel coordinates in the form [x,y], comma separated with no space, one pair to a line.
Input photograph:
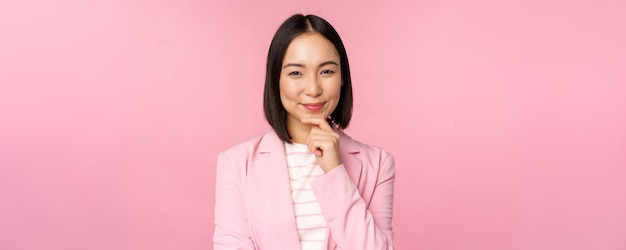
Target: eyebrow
[302,65]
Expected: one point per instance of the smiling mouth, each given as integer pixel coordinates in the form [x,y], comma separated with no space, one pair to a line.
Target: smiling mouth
[313,106]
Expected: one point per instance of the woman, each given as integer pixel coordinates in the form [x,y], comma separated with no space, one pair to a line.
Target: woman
[305,184]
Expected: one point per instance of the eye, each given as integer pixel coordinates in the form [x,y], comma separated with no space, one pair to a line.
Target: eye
[327,72]
[295,73]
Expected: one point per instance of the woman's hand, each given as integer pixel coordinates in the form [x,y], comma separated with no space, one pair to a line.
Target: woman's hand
[324,142]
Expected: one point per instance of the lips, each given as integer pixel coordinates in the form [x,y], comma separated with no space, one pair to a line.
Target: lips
[313,106]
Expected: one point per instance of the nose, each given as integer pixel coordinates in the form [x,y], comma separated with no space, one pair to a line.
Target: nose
[312,87]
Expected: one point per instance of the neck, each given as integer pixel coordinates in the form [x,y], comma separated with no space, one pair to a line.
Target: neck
[299,132]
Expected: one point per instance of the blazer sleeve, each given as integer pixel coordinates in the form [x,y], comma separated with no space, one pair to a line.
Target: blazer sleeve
[353,223]
[231,227]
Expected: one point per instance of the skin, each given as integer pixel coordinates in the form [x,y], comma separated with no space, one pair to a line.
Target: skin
[311,77]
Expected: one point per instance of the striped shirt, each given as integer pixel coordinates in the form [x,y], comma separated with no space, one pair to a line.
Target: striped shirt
[310,222]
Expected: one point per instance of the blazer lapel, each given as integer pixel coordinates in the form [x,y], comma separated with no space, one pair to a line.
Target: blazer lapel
[274,178]
[350,157]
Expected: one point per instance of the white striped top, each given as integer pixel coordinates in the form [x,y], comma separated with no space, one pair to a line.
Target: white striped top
[310,222]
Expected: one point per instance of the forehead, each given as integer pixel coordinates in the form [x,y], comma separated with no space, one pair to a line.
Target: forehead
[310,47]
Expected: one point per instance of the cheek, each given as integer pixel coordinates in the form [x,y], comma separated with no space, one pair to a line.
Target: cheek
[288,91]
[333,88]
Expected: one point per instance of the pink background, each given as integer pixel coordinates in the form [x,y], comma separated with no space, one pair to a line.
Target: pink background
[507,118]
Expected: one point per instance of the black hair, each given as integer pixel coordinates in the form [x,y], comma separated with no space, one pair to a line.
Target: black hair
[295,25]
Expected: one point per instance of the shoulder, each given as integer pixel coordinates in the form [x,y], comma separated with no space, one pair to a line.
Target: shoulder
[237,158]
[376,159]
[265,142]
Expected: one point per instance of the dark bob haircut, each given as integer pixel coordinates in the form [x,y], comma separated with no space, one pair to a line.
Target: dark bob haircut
[294,26]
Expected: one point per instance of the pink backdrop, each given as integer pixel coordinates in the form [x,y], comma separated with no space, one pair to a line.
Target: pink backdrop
[507,120]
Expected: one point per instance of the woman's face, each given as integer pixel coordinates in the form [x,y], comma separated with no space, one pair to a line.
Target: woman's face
[310,78]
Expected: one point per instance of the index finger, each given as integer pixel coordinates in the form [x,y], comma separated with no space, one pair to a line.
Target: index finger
[317,121]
